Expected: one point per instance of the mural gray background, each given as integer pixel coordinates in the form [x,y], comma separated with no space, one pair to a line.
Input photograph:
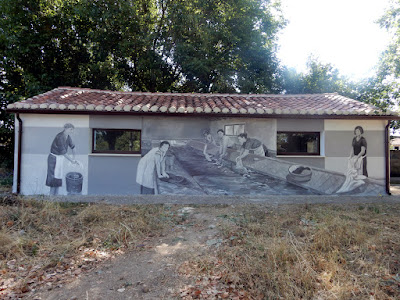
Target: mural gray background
[338,143]
[174,128]
[299,125]
[110,175]
[36,139]
[112,122]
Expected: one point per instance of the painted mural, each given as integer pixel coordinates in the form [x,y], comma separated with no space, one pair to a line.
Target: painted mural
[62,151]
[202,156]
[240,163]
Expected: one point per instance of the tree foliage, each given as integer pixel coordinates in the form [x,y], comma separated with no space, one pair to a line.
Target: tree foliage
[146,45]
[390,62]
[225,46]
[318,78]
[383,89]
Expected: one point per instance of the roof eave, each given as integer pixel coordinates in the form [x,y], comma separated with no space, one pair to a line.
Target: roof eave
[183,114]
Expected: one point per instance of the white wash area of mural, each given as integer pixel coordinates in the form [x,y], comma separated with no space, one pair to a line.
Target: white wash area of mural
[44,169]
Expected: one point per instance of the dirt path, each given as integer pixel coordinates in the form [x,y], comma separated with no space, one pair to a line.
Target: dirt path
[151,273]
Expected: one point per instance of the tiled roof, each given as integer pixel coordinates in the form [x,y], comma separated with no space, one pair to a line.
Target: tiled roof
[89,100]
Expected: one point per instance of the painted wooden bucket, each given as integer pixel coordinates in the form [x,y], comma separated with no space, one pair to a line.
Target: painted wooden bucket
[74,182]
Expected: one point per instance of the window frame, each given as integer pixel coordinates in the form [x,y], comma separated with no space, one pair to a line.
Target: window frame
[317,133]
[115,151]
[233,128]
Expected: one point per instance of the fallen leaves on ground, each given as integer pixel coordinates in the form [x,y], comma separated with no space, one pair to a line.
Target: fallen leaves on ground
[210,281]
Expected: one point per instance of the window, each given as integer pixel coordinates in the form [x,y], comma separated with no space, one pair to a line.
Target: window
[124,141]
[234,129]
[298,143]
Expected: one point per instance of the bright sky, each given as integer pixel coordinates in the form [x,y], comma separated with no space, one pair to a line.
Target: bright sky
[341,32]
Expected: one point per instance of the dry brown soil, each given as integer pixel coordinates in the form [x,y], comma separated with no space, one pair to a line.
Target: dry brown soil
[151,273]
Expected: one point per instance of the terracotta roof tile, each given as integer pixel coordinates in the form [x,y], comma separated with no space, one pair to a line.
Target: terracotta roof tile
[81,99]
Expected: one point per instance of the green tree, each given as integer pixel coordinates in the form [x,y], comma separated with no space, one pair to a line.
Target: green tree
[383,89]
[318,78]
[390,62]
[147,45]
[225,46]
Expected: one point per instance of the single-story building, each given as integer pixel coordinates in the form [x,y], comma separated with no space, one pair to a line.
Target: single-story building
[84,141]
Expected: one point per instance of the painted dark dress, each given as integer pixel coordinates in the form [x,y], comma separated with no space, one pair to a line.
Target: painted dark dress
[254,146]
[59,147]
[357,149]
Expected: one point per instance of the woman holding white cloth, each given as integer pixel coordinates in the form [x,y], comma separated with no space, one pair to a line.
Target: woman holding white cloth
[357,163]
[58,153]
[359,151]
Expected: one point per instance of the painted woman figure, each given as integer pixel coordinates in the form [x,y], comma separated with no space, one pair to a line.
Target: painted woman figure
[357,163]
[359,151]
[209,140]
[225,142]
[150,166]
[249,145]
[58,153]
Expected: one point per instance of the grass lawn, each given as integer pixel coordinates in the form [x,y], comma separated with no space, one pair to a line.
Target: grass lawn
[264,252]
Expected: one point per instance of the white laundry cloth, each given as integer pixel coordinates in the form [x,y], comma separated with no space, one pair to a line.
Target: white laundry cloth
[58,169]
[353,177]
